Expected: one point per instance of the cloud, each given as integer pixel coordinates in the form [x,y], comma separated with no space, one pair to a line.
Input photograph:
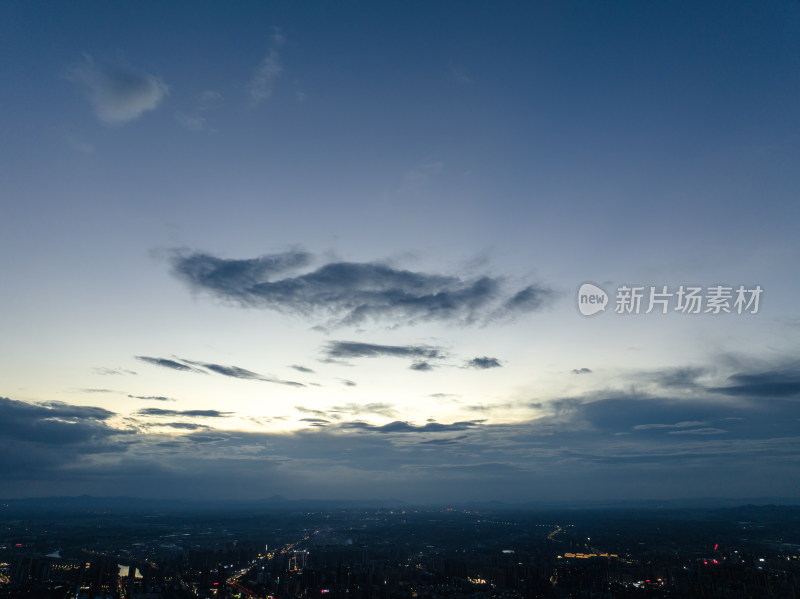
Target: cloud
[318,413]
[172,364]
[197,118]
[118,94]
[399,426]
[355,349]
[421,366]
[379,408]
[54,423]
[484,363]
[642,427]
[112,371]
[780,383]
[350,293]
[347,383]
[188,413]
[151,397]
[203,367]
[191,426]
[241,373]
[581,371]
[713,445]
[316,421]
[261,85]
[301,369]
[699,431]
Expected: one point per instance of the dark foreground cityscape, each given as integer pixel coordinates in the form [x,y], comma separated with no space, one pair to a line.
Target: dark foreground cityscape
[85,547]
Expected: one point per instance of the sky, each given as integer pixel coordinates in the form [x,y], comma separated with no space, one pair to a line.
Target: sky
[345,251]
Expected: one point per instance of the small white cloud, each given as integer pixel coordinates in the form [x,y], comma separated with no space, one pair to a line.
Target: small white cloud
[118,95]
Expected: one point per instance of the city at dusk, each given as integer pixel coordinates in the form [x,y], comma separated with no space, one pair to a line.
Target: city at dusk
[508,259]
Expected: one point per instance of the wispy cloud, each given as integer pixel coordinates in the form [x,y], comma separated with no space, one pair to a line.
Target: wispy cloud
[350,293]
[581,371]
[118,94]
[151,397]
[303,369]
[167,363]
[355,349]
[261,85]
[188,413]
[688,423]
[380,408]
[196,119]
[205,367]
[112,371]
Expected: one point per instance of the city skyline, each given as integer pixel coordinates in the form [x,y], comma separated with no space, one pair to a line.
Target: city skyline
[335,252]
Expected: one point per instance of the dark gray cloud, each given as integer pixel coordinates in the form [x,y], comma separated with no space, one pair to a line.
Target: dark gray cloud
[399,426]
[166,363]
[782,383]
[349,293]
[189,426]
[354,349]
[581,371]
[484,363]
[348,383]
[302,369]
[185,365]
[54,423]
[151,397]
[189,413]
[422,366]
[241,373]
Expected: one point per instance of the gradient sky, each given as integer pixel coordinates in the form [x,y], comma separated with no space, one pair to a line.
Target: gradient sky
[331,250]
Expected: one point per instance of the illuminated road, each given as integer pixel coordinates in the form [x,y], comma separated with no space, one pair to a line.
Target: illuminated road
[237,584]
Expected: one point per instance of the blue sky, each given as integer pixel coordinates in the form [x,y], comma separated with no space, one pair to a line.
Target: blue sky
[334,251]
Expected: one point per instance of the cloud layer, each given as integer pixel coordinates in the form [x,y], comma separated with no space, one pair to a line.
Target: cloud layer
[607,444]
